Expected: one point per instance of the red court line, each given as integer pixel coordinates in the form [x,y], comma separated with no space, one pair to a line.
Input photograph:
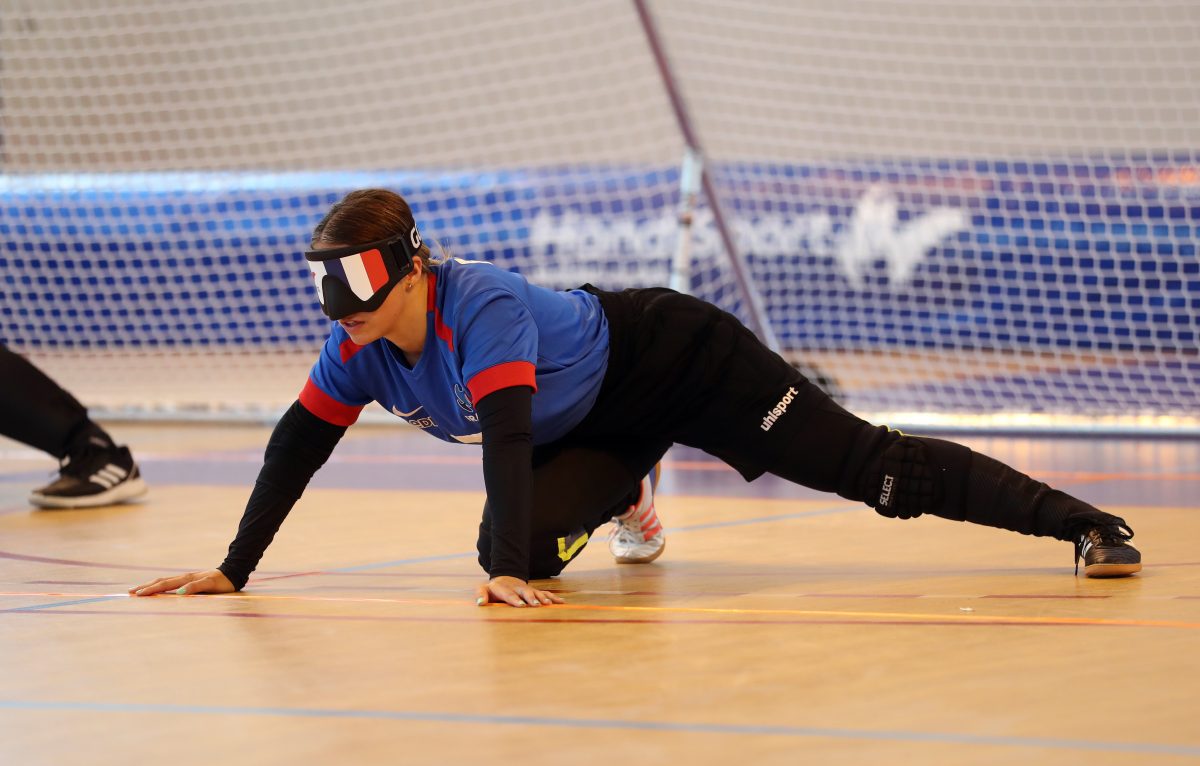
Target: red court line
[71,582]
[254,580]
[1050,596]
[77,563]
[649,573]
[978,622]
[297,594]
[167,569]
[740,612]
[732,594]
[1122,476]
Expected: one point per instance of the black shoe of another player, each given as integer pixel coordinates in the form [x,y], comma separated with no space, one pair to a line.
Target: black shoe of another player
[98,476]
[1106,552]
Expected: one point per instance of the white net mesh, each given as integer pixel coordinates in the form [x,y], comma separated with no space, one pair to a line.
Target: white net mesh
[963,207]
[947,207]
[164,164]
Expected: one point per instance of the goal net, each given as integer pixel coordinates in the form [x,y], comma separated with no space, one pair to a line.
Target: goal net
[945,210]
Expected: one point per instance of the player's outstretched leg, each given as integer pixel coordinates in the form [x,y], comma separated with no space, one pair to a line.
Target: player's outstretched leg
[638,537]
[910,475]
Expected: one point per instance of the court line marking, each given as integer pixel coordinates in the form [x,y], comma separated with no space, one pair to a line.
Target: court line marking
[77,563]
[71,582]
[594,592]
[700,727]
[36,607]
[841,508]
[359,568]
[255,456]
[914,618]
[560,620]
[396,562]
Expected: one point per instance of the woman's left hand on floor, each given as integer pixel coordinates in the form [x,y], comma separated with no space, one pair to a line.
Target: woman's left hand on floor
[514,592]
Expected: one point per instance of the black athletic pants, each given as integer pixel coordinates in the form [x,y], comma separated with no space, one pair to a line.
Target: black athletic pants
[682,371]
[37,411]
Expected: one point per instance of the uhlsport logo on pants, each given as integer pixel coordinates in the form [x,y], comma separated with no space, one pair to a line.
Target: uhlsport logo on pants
[777,411]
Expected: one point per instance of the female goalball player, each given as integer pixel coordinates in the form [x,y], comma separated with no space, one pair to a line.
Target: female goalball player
[575,396]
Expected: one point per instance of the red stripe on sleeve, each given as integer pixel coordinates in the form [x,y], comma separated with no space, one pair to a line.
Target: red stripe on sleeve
[349,348]
[439,327]
[502,376]
[326,407]
[376,270]
[442,331]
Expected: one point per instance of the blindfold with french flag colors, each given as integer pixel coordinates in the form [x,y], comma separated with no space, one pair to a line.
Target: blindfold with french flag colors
[359,278]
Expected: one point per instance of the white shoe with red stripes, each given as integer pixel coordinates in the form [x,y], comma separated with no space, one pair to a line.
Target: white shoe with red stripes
[638,537]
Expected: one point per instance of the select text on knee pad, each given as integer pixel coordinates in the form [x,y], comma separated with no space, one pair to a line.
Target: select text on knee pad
[885,497]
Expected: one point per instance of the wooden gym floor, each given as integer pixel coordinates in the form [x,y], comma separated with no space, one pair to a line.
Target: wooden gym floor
[781,625]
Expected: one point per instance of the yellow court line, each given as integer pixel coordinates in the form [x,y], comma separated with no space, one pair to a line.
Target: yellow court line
[915,618]
[909,616]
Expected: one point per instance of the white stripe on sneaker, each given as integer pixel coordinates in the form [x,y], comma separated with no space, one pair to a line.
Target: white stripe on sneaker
[110,477]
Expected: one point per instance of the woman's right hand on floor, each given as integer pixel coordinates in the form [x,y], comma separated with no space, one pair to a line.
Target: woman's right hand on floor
[212,581]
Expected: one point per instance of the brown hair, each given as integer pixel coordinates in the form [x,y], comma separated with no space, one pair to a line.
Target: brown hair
[366,215]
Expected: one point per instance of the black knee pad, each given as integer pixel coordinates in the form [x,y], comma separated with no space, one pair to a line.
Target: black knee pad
[906,476]
[914,475]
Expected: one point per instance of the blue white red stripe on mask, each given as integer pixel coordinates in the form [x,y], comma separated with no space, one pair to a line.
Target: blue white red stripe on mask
[364,273]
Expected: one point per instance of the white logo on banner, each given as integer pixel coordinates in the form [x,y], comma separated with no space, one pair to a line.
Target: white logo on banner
[572,249]
[875,233]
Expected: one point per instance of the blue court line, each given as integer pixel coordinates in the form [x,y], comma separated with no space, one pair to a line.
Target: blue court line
[27,477]
[765,519]
[612,723]
[400,562]
[56,604]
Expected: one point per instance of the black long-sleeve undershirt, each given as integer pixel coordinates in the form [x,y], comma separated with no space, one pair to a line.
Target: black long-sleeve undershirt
[302,442]
[299,445]
[506,417]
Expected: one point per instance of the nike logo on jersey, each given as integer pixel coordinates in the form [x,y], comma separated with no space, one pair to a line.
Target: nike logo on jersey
[396,411]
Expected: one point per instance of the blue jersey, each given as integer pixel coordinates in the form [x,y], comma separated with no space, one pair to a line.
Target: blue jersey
[486,329]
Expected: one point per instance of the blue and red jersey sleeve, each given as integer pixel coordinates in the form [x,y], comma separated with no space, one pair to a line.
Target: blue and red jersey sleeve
[499,344]
[330,392]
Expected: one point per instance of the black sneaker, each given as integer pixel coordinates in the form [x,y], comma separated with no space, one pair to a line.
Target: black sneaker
[1106,552]
[92,478]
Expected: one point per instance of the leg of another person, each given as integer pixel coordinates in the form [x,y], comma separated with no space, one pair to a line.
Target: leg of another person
[35,410]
